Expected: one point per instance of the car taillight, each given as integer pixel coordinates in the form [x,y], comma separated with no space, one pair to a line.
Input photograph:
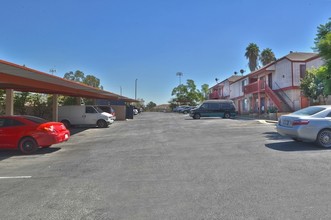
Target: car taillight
[48,128]
[300,122]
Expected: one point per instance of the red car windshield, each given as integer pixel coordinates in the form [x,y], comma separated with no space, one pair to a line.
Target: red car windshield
[35,119]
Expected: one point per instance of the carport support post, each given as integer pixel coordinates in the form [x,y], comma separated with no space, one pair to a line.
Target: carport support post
[55,108]
[9,101]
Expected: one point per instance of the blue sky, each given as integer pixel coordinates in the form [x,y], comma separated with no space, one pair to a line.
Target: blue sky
[120,41]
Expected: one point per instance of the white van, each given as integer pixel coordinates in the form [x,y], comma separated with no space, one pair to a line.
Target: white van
[87,115]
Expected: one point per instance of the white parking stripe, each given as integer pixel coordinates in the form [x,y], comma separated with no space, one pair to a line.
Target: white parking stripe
[15,177]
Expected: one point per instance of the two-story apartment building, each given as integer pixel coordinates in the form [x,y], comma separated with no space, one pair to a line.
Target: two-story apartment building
[274,85]
[222,90]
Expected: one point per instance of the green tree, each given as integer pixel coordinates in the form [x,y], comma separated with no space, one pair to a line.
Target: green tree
[324,76]
[92,81]
[323,46]
[77,76]
[20,99]
[186,94]
[267,56]
[322,31]
[252,54]
[41,104]
[311,85]
[204,91]
[150,105]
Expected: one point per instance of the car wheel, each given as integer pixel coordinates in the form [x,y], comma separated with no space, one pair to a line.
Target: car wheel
[27,145]
[66,123]
[196,116]
[102,124]
[227,115]
[324,138]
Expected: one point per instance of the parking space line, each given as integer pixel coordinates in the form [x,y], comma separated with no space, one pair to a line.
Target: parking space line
[15,177]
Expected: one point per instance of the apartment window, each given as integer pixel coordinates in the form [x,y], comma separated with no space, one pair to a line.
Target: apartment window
[302,71]
[243,84]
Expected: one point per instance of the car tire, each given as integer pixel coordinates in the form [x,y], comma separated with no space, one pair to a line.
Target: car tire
[196,116]
[66,123]
[27,145]
[102,124]
[324,138]
[227,115]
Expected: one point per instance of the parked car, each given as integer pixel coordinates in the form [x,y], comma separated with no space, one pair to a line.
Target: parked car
[214,108]
[308,124]
[179,108]
[186,109]
[108,109]
[86,115]
[28,133]
[135,111]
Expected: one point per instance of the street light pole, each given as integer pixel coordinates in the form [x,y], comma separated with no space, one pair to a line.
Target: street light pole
[135,89]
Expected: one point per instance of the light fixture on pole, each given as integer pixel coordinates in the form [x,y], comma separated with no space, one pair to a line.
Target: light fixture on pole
[180,74]
[52,71]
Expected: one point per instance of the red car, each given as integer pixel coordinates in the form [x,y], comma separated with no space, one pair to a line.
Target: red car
[28,133]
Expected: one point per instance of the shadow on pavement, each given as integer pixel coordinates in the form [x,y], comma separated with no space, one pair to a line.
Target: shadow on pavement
[76,130]
[290,145]
[295,146]
[4,154]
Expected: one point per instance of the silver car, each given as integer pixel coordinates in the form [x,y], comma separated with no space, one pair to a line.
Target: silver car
[308,124]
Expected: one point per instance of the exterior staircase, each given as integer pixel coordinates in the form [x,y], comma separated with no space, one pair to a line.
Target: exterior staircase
[287,104]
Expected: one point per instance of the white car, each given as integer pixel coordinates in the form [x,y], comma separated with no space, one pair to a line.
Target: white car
[308,124]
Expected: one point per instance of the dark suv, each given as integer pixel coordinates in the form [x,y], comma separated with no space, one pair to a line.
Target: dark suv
[214,108]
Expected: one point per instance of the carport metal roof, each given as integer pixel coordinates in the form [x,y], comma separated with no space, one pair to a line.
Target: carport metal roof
[21,78]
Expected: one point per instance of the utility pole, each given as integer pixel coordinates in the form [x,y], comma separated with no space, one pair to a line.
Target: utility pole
[135,89]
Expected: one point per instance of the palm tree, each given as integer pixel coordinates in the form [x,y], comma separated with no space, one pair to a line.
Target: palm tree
[252,54]
[267,56]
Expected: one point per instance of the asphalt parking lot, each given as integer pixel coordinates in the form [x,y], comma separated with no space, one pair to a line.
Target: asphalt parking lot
[169,166]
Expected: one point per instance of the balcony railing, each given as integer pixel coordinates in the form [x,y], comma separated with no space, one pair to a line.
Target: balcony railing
[261,86]
[254,87]
[214,95]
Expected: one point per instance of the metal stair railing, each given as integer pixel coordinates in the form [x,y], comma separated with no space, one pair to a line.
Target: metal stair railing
[287,100]
[274,97]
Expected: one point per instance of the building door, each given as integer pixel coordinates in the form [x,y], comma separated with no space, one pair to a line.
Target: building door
[262,103]
[270,80]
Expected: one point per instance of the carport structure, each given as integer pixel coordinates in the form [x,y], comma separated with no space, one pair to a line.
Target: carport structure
[14,77]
